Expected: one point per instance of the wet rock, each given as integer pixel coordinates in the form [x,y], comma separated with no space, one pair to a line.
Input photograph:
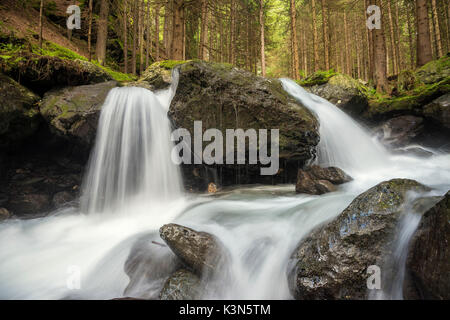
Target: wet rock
[182,285]
[62,198]
[148,266]
[73,112]
[29,203]
[4,214]
[332,262]
[19,115]
[439,111]
[201,252]
[331,174]
[344,92]
[400,131]
[212,188]
[316,180]
[428,262]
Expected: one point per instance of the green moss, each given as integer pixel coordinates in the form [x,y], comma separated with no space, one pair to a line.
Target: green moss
[170,64]
[318,78]
[54,50]
[116,75]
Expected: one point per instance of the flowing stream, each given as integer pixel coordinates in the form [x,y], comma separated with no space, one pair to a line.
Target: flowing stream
[132,188]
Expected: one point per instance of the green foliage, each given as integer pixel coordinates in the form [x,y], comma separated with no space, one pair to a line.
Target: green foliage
[54,50]
[116,75]
[170,64]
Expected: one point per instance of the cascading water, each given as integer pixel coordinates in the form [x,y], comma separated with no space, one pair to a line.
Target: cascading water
[131,157]
[259,225]
[343,143]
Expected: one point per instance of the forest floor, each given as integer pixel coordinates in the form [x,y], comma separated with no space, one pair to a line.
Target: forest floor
[23,21]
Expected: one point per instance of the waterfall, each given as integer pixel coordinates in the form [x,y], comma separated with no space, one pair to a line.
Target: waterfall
[131,157]
[343,143]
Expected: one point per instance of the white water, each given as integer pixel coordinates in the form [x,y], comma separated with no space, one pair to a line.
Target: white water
[260,225]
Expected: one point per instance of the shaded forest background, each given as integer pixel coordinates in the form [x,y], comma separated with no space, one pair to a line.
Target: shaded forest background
[274,38]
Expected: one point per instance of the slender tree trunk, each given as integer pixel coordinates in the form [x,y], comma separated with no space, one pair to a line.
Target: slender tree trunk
[347,45]
[424,53]
[204,30]
[90,30]
[133,51]
[410,39]
[437,29]
[325,34]
[157,9]
[177,30]
[380,63]
[392,36]
[147,45]
[315,35]
[263,50]
[167,24]
[295,63]
[125,36]
[41,14]
[400,61]
[102,32]
[370,42]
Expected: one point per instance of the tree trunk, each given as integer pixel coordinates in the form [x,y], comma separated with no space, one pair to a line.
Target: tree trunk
[392,36]
[90,29]
[410,39]
[102,32]
[204,30]
[177,30]
[133,51]
[167,24]
[295,63]
[437,29]
[316,38]
[125,36]
[147,45]
[380,64]
[41,14]
[424,54]
[157,9]
[325,34]
[262,24]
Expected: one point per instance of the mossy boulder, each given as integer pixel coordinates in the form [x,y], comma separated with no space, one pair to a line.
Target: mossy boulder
[332,262]
[224,97]
[345,92]
[43,73]
[73,112]
[434,71]
[19,114]
[428,261]
[159,74]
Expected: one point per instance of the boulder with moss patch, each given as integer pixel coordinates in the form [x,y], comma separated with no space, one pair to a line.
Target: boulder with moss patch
[332,262]
[73,112]
[19,115]
[439,111]
[345,92]
[434,71]
[159,75]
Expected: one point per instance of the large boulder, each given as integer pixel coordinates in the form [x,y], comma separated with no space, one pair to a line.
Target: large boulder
[201,252]
[332,262]
[224,97]
[428,261]
[73,112]
[343,91]
[19,115]
[439,111]
[434,71]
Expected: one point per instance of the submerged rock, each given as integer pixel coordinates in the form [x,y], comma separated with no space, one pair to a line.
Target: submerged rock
[148,266]
[331,263]
[428,260]
[4,214]
[19,115]
[331,174]
[73,112]
[199,251]
[182,285]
